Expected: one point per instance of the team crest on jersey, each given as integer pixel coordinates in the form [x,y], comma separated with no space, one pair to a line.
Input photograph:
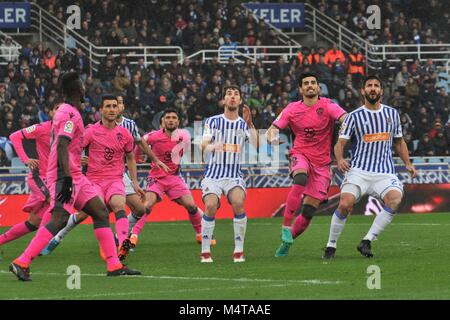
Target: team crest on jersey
[30,129]
[388,121]
[68,127]
[319,111]
[119,136]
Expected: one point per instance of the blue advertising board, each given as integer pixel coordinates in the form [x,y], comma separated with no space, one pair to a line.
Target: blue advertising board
[15,15]
[280,15]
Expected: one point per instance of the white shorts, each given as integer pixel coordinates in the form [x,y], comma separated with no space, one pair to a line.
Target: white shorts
[129,190]
[359,183]
[217,187]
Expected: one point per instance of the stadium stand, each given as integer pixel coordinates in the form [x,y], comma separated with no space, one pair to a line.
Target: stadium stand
[419,89]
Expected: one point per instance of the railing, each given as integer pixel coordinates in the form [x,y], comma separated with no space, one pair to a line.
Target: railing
[50,27]
[267,54]
[10,53]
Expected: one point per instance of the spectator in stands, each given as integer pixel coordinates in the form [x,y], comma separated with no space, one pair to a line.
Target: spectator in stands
[356,64]
[121,81]
[425,147]
[49,59]
[412,89]
[440,143]
[332,55]
[80,64]
[4,161]
[8,50]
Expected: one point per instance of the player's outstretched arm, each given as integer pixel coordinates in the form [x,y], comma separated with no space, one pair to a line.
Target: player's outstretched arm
[402,150]
[343,165]
[132,169]
[17,140]
[273,135]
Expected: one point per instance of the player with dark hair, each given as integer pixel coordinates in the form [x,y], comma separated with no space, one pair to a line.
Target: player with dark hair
[224,139]
[169,144]
[69,187]
[374,129]
[107,143]
[312,121]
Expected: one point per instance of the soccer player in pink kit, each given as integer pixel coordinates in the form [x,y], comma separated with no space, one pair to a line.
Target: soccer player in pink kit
[312,120]
[168,144]
[35,156]
[69,187]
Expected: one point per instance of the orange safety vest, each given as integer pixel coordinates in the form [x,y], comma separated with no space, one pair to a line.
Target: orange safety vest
[353,67]
[316,58]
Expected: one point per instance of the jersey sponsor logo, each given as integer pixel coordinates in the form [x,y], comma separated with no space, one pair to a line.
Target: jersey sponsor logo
[30,129]
[68,127]
[374,137]
[231,147]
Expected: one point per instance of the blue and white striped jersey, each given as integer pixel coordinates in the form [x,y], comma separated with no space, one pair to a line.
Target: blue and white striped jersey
[132,127]
[225,162]
[372,133]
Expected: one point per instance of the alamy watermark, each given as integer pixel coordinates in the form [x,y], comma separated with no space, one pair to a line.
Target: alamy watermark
[74,279]
[374,280]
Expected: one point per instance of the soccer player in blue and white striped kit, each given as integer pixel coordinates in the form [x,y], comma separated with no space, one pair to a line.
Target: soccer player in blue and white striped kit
[224,137]
[373,129]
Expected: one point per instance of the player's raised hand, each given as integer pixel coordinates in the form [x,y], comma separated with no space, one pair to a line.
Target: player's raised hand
[343,165]
[33,164]
[161,165]
[84,160]
[412,170]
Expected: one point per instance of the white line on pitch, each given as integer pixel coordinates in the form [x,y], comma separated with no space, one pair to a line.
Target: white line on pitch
[307,281]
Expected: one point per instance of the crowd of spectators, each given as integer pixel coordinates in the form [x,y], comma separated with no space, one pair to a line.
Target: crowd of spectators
[29,87]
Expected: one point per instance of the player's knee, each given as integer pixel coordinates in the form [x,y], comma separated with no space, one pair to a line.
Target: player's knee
[345,206]
[34,220]
[60,219]
[393,203]
[192,209]
[308,211]
[300,179]
[211,207]
[238,206]
[101,218]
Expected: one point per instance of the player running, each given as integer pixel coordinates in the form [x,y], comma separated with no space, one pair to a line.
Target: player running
[107,143]
[373,128]
[69,187]
[32,145]
[224,137]
[169,143]
[312,121]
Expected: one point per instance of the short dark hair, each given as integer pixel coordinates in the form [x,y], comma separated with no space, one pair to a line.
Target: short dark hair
[371,77]
[70,83]
[107,97]
[170,110]
[231,87]
[306,75]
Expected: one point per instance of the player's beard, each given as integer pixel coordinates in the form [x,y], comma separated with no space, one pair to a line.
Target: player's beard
[232,108]
[372,100]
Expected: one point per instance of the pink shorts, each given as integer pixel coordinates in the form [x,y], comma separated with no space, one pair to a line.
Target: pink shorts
[83,191]
[38,195]
[319,178]
[173,186]
[109,188]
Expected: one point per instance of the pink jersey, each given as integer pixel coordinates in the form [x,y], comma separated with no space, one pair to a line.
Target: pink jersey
[68,124]
[313,128]
[38,149]
[107,148]
[168,149]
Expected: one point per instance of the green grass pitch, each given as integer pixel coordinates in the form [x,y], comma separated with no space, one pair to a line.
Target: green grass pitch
[412,254]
